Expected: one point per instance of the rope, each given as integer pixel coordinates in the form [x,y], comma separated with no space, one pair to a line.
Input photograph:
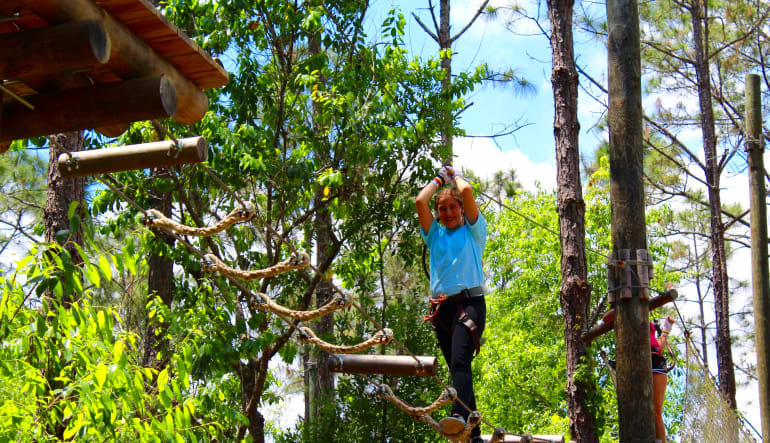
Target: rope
[213,263]
[267,303]
[156,219]
[448,396]
[382,337]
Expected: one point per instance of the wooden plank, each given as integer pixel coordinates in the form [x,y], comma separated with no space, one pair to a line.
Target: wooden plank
[204,79]
[129,11]
[147,29]
[53,49]
[170,46]
[133,157]
[85,108]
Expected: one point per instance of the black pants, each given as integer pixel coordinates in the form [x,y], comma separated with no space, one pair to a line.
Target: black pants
[458,347]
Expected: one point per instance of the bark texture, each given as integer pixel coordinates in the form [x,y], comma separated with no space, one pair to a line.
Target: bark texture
[160,283]
[61,193]
[725,369]
[575,295]
[636,417]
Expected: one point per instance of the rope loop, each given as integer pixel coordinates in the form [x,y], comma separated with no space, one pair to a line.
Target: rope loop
[448,396]
[212,263]
[382,337]
[156,219]
[267,304]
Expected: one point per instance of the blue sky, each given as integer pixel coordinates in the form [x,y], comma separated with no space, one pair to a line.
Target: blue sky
[520,46]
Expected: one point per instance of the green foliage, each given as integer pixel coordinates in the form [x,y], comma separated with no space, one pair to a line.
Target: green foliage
[524,351]
[70,371]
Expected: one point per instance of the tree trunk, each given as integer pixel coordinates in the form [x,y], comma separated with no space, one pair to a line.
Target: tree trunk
[250,378]
[160,283]
[575,295]
[719,258]
[322,380]
[445,48]
[61,193]
[636,416]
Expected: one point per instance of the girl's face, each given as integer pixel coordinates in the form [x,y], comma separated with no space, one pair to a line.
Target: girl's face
[450,212]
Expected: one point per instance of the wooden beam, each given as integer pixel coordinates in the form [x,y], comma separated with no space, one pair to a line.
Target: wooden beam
[85,108]
[607,323]
[53,49]
[126,158]
[130,56]
[382,364]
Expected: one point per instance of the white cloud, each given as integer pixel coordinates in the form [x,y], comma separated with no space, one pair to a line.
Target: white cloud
[484,158]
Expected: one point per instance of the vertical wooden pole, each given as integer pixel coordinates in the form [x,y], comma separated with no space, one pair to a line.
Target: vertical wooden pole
[759,271]
[636,418]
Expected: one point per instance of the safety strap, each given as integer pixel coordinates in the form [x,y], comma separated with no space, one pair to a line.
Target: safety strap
[461,316]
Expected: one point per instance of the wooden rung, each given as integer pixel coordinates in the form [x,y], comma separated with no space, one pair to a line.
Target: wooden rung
[91,107]
[608,321]
[126,158]
[383,364]
[53,49]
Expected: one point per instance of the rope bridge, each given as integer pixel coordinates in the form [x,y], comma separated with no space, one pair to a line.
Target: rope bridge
[706,415]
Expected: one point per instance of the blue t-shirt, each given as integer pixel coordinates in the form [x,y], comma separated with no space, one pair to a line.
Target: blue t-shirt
[455,256]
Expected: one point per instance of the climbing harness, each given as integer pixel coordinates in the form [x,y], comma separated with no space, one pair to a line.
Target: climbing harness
[460,317]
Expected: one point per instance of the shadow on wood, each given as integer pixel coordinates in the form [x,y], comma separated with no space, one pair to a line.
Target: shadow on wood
[132,157]
[86,108]
[383,364]
[53,49]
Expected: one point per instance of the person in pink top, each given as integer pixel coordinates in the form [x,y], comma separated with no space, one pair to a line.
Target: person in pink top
[659,373]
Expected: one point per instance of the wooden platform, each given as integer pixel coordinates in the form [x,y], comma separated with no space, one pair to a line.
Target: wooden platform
[142,44]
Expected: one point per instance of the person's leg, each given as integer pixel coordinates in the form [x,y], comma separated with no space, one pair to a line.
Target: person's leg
[463,347]
[659,381]
[443,332]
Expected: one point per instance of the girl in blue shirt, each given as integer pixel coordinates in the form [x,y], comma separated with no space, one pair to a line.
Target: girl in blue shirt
[456,243]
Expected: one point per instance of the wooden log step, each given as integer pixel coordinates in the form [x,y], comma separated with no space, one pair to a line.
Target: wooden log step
[131,157]
[53,49]
[607,323]
[383,364]
[85,108]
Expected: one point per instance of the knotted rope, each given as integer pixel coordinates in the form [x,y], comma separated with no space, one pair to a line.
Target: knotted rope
[156,219]
[212,263]
[382,337]
[448,396]
[336,303]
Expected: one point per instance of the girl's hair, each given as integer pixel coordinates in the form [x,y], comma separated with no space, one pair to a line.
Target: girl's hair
[448,192]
